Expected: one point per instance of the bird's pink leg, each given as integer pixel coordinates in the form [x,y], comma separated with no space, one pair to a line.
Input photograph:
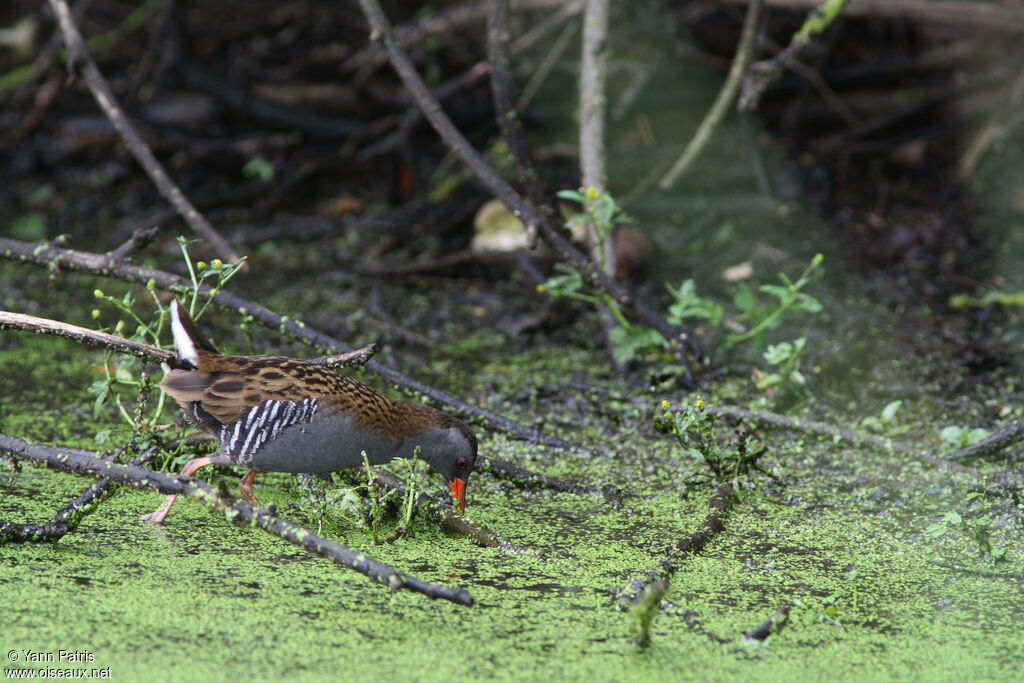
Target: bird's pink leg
[190,468]
[245,486]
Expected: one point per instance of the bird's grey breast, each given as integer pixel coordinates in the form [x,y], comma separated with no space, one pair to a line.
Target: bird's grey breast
[316,440]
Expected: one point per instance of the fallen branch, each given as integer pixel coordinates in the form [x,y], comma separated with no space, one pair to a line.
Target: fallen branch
[713,524]
[78,54]
[852,435]
[68,517]
[991,445]
[443,514]
[1013,576]
[30,323]
[236,511]
[98,264]
[503,469]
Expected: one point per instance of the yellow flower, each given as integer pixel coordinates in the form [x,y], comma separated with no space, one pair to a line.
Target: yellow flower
[592,192]
[700,404]
[665,404]
[216,263]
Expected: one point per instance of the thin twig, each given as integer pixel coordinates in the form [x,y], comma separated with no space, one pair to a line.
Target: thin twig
[726,96]
[99,264]
[443,514]
[764,73]
[257,108]
[996,16]
[78,54]
[381,30]
[468,78]
[503,94]
[851,435]
[239,512]
[543,69]
[713,524]
[20,321]
[140,239]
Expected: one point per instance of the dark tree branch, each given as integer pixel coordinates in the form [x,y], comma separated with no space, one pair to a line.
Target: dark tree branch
[239,512]
[381,30]
[504,96]
[443,515]
[991,445]
[237,98]
[78,54]
[140,239]
[713,524]
[68,517]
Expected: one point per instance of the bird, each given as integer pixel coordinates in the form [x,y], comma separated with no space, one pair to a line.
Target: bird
[279,414]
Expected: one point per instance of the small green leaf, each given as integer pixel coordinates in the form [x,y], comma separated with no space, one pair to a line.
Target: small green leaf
[745,299]
[889,412]
[259,167]
[778,353]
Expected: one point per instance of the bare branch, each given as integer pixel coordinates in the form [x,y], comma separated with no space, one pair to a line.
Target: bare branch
[78,54]
[237,511]
[20,321]
[381,30]
[1005,17]
[726,96]
[503,93]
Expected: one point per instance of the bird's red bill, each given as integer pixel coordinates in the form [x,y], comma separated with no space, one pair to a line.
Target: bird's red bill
[459,493]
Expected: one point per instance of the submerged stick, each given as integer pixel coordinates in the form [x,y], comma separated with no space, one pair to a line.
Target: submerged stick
[443,514]
[992,444]
[769,626]
[68,517]
[712,525]
[236,511]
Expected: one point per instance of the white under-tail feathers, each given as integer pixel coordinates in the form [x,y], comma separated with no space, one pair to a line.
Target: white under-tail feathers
[184,345]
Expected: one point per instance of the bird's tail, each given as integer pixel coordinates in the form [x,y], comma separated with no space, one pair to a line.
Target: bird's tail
[188,340]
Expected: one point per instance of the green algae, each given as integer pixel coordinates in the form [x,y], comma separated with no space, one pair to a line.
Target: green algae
[843,540]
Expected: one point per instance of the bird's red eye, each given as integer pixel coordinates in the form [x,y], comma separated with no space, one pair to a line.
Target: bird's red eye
[461,462]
